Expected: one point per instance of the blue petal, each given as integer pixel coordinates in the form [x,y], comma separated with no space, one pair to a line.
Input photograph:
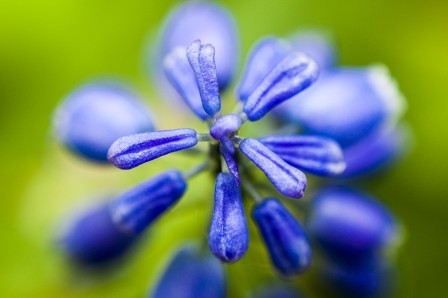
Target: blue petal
[350,226]
[94,239]
[92,117]
[347,104]
[375,152]
[289,181]
[229,158]
[317,155]
[202,61]
[265,55]
[131,151]
[137,208]
[318,45]
[212,24]
[181,76]
[296,72]
[228,237]
[285,239]
[191,274]
[225,125]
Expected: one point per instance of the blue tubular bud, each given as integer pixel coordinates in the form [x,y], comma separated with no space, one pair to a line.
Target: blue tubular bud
[94,239]
[375,152]
[92,117]
[228,153]
[225,125]
[131,151]
[347,105]
[191,275]
[288,180]
[228,237]
[265,55]
[137,208]
[285,239]
[202,61]
[210,23]
[317,155]
[351,227]
[316,44]
[296,72]
[179,73]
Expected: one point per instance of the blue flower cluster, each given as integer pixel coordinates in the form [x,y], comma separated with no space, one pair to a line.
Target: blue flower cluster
[348,123]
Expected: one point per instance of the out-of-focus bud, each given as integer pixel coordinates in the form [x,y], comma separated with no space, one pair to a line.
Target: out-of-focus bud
[347,104]
[192,275]
[351,227]
[285,239]
[375,152]
[136,209]
[93,238]
[92,117]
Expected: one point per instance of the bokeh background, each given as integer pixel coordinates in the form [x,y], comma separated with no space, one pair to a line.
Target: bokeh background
[49,47]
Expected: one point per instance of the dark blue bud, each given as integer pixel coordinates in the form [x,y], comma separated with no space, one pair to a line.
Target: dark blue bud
[179,73]
[202,61]
[375,279]
[192,275]
[137,208]
[228,237]
[225,125]
[131,151]
[93,238]
[92,117]
[318,45]
[375,152]
[285,239]
[317,155]
[228,152]
[208,22]
[288,180]
[347,104]
[294,73]
[264,56]
[228,145]
[351,227]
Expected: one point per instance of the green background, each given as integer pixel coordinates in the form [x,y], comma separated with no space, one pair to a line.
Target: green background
[47,48]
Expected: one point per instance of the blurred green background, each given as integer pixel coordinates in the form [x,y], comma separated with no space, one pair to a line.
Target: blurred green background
[48,47]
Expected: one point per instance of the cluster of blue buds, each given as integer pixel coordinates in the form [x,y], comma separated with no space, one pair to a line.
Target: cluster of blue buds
[348,119]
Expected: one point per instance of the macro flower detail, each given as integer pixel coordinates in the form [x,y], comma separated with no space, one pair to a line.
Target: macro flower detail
[317,119]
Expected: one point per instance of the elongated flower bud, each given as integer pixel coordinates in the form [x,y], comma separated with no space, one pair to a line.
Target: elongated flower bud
[228,237]
[179,73]
[264,56]
[202,61]
[206,21]
[94,239]
[288,180]
[285,239]
[131,151]
[317,155]
[228,152]
[137,208]
[192,275]
[296,72]
[351,227]
[92,117]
